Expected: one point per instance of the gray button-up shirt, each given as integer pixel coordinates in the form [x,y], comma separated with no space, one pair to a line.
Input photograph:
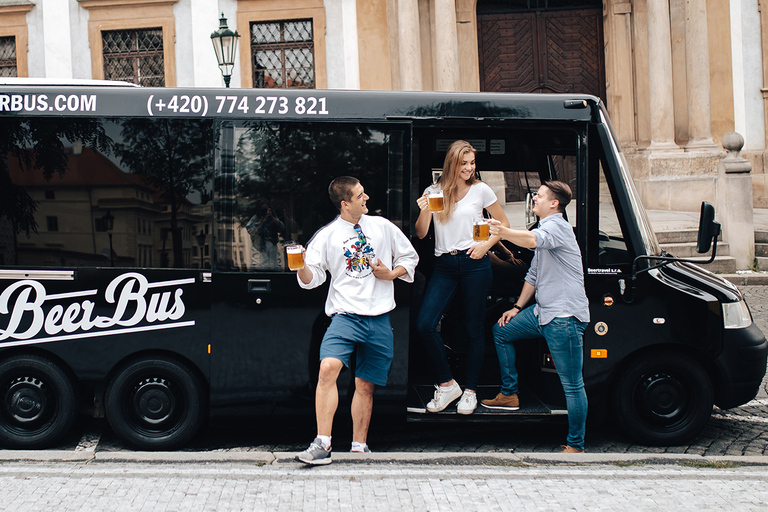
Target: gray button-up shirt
[556,272]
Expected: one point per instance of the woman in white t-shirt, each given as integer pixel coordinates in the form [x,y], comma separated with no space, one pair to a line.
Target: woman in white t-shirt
[462,265]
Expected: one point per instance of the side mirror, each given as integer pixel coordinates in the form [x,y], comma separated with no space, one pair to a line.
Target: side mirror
[709,229]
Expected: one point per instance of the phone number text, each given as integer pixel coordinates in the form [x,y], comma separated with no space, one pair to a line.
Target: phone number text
[245,105]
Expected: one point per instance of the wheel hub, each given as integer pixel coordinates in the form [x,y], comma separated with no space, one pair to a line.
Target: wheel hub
[26,400]
[154,401]
[663,396]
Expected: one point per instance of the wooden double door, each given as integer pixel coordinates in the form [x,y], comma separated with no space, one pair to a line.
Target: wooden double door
[542,51]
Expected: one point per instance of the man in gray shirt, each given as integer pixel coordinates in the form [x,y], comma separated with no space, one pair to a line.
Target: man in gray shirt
[560,312]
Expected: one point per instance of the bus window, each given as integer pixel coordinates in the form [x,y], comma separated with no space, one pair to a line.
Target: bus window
[276,191]
[130,192]
[612,246]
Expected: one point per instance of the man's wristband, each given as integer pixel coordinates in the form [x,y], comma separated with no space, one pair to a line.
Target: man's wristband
[517,307]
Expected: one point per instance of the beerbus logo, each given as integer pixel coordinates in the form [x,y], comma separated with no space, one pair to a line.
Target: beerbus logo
[135,310]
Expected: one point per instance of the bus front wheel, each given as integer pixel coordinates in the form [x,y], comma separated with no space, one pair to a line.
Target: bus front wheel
[663,399]
[38,402]
[155,404]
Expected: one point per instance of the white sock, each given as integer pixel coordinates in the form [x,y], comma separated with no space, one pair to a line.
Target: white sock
[469,391]
[359,447]
[326,440]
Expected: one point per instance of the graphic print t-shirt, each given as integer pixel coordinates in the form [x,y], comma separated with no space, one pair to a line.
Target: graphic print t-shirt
[347,255]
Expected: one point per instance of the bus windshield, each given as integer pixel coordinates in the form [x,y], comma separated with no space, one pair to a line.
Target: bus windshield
[648,237]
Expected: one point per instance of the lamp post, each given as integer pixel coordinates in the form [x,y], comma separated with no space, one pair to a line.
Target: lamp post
[109,223]
[201,242]
[225,46]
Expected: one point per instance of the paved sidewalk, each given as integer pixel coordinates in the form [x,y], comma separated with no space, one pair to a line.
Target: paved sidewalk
[492,487]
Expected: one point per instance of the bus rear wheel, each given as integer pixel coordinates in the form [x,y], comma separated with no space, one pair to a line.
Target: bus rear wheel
[155,404]
[38,402]
[663,399]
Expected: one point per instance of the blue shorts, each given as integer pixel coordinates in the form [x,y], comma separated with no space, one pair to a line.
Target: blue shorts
[372,335]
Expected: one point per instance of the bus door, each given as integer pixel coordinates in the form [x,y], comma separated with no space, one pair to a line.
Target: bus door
[514,160]
[271,190]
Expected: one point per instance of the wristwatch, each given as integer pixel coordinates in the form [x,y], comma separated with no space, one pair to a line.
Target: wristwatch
[517,307]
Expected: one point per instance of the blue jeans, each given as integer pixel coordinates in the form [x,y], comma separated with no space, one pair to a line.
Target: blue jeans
[565,341]
[473,278]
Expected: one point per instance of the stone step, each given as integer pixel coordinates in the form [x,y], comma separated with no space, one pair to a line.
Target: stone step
[688,250]
[683,235]
[677,236]
[761,263]
[721,265]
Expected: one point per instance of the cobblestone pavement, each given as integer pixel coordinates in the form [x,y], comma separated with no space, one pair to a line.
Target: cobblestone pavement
[222,487]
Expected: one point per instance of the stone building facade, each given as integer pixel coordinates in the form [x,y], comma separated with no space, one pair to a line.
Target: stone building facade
[676,75]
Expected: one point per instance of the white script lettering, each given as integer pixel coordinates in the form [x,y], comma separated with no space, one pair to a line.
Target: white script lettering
[22,303]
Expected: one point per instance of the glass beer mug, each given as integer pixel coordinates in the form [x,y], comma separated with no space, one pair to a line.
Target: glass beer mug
[435,199]
[481,230]
[295,255]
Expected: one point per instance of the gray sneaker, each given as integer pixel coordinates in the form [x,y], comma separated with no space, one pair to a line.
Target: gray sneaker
[315,454]
[365,450]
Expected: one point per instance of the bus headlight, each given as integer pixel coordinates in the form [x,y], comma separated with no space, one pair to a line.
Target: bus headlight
[736,315]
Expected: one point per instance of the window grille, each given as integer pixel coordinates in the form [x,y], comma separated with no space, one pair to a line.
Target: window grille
[134,56]
[8,57]
[283,54]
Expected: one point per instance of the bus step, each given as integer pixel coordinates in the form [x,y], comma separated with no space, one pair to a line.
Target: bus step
[530,405]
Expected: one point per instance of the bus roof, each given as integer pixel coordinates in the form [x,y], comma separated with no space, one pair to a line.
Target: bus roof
[293,104]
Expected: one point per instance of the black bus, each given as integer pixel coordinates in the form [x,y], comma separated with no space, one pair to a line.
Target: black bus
[143,275]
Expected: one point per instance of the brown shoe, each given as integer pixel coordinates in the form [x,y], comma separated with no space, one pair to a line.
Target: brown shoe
[569,449]
[504,402]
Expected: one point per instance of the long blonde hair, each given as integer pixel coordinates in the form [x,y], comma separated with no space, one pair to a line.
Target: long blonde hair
[449,179]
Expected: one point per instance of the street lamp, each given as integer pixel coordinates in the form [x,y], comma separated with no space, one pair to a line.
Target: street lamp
[109,223]
[225,46]
[201,242]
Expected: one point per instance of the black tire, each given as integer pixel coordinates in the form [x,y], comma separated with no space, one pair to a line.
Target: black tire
[39,403]
[155,404]
[663,400]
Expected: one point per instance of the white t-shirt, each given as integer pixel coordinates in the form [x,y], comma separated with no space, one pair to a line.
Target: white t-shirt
[354,289]
[456,233]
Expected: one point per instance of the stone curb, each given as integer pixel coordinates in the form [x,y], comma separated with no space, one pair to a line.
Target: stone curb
[420,458]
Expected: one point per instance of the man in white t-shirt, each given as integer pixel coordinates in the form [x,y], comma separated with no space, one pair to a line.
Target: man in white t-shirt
[364,255]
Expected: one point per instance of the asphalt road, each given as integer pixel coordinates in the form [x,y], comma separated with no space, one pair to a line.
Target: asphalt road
[735,432]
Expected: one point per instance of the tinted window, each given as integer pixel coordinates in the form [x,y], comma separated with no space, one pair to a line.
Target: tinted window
[272,184]
[79,187]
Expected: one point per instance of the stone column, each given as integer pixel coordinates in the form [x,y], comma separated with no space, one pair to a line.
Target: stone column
[409,45]
[697,77]
[447,72]
[660,78]
[764,89]
[734,202]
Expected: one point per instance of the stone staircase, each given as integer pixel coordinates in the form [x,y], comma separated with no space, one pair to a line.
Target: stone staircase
[761,249]
[682,244]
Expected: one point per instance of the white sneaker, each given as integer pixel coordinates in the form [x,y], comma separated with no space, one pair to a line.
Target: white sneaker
[443,397]
[467,404]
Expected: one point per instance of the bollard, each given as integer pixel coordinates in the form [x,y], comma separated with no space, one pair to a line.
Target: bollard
[734,202]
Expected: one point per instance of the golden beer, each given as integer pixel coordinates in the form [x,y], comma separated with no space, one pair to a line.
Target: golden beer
[481,231]
[436,202]
[295,257]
